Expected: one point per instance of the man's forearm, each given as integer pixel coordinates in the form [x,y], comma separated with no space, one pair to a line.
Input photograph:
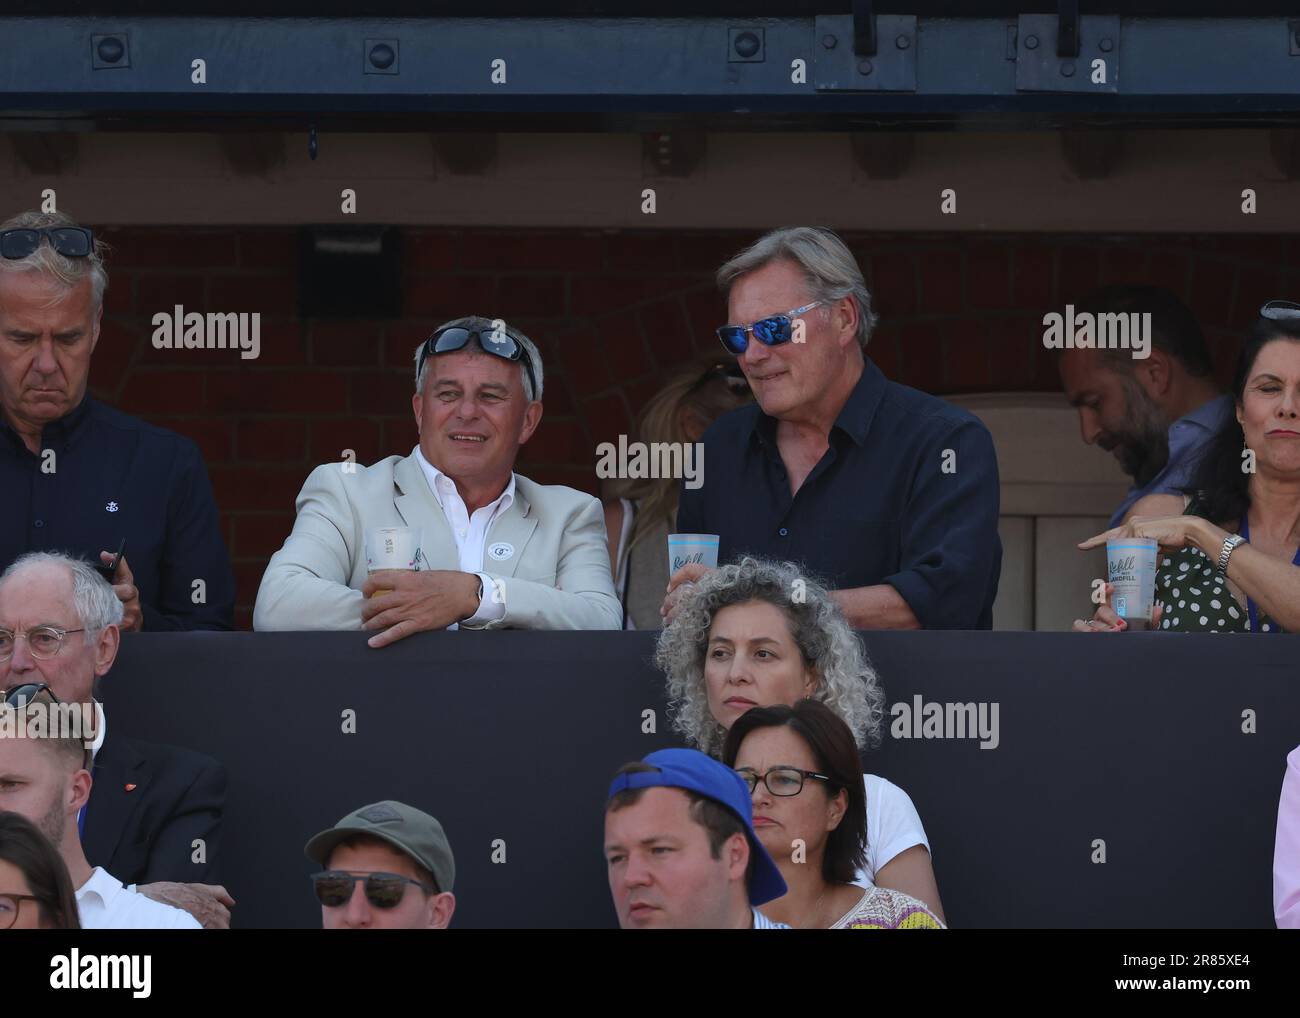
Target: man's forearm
[878,607]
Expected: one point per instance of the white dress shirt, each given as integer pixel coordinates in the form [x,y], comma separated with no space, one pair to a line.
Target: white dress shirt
[470,534]
[104,904]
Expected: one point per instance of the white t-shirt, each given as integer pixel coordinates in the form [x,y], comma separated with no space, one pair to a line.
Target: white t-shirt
[893,826]
[104,904]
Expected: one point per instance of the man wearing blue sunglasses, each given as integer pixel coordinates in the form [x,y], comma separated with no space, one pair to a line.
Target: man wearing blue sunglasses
[888,493]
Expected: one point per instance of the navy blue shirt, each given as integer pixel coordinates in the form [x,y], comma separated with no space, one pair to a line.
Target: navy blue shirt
[885,505]
[115,476]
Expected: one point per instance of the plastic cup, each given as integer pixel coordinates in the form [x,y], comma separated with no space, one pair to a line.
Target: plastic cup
[392,548]
[1131,569]
[689,549]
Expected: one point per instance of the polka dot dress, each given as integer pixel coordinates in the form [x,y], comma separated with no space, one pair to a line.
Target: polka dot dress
[1194,598]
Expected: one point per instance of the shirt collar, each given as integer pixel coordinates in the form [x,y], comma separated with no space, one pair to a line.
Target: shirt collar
[438,482]
[102,884]
[1189,430]
[61,431]
[857,413]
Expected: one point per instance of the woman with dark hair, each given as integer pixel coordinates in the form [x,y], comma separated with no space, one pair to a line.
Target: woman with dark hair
[810,812]
[35,890]
[1231,545]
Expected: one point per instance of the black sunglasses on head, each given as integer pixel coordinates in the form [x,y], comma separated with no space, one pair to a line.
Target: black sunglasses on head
[1280,310]
[24,693]
[383,890]
[70,241]
[495,341]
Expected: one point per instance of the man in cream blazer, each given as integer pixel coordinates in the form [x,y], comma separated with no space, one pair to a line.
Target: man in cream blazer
[499,550]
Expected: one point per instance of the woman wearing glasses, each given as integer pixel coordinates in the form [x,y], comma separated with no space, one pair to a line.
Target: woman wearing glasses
[640,512]
[35,890]
[801,765]
[758,633]
[1231,545]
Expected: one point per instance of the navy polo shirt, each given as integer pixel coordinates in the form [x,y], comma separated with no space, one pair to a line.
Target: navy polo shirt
[886,504]
[111,476]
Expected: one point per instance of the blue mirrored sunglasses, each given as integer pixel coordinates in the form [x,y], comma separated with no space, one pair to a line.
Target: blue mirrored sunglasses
[770,331]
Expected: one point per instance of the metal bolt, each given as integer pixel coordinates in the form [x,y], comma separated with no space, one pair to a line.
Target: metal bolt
[864,67]
[1106,45]
[111,50]
[1031,42]
[902,42]
[746,44]
[1067,69]
[829,41]
[382,56]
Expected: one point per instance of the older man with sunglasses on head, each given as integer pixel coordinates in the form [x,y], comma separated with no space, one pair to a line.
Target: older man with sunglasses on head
[887,492]
[80,476]
[386,866]
[496,550]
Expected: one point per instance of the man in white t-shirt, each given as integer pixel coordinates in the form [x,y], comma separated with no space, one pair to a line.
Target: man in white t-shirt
[44,779]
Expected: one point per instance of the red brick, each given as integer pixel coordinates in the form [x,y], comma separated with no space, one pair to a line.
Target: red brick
[966,356]
[282,343]
[349,343]
[260,535]
[1263,248]
[119,298]
[160,291]
[213,435]
[244,616]
[267,295]
[432,250]
[531,295]
[707,252]
[380,392]
[1124,264]
[598,294]
[1032,271]
[922,351]
[1170,270]
[941,282]
[1212,284]
[257,487]
[275,248]
[581,478]
[893,284]
[277,392]
[248,577]
[558,440]
[399,436]
[329,439]
[556,397]
[272,441]
[582,359]
[568,251]
[1013,345]
[1080,272]
[401,339]
[114,353]
[1255,288]
[639,394]
[883,349]
[705,310]
[175,249]
[666,331]
[162,392]
[641,249]
[1224,349]
[988,277]
[625,353]
[607,417]
[446,296]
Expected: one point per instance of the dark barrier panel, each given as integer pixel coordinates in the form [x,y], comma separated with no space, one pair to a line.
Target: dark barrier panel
[1136,741]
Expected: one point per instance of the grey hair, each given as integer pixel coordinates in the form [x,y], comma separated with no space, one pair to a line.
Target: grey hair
[846,682]
[93,600]
[67,272]
[828,266]
[487,325]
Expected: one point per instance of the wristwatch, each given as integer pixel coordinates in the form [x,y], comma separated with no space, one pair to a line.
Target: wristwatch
[1229,543]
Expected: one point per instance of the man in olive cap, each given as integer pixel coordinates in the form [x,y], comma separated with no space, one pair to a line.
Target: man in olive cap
[384,866]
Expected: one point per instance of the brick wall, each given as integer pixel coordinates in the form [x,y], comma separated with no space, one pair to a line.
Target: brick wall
[612,313]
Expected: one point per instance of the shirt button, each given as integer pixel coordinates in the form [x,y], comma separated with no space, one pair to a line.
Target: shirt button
[38,524]
[783,532]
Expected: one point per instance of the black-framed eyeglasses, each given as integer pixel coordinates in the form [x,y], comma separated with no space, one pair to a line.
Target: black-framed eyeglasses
[1280,310]
[780,781]
[43,641]
[70,241]
[383,890]
[495,341]
[770,331]
[9,906]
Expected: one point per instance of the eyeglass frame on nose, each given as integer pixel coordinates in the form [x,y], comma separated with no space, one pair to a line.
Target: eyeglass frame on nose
[784,321]
[59,631]
[751,778]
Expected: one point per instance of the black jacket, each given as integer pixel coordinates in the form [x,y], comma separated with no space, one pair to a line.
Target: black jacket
[148,806]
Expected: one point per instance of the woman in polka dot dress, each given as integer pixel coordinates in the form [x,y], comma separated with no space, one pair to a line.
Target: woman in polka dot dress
[1230,552]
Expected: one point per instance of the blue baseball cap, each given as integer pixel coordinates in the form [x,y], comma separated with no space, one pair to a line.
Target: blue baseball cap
[693,770]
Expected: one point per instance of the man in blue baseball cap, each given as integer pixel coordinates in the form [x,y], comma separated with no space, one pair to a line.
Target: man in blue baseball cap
[681,848]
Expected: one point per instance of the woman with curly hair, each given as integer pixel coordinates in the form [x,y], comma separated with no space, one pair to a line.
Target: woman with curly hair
[757,633]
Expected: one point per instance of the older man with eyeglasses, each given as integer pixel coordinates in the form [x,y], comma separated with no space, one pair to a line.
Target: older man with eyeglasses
[888,493]
[480,546]
[150,805]
[80,476]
